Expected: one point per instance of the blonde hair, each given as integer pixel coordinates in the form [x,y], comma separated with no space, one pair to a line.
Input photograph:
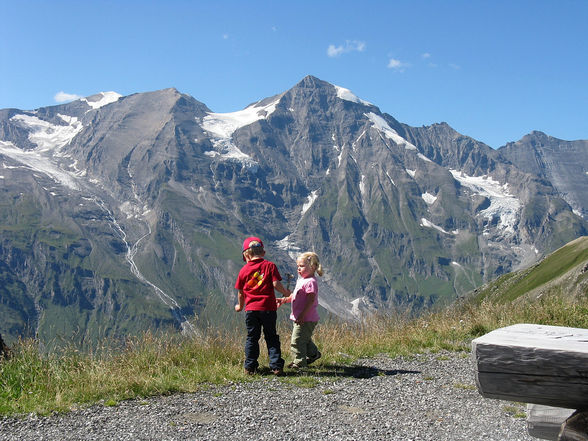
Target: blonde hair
[313,260]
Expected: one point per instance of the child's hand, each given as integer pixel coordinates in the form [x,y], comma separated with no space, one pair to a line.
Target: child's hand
[238,307]
[282,300]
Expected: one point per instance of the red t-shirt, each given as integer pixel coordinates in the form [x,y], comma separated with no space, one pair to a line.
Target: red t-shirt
[256,279]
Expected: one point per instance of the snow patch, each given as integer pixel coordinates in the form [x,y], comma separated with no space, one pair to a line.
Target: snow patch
[347,95]
[339,159]
[390,177]
[335,146]
[103,98]
[223,125]
[290,247]
[358,306]
[411,172]
[362,185]
[310,200]
[48,136]
[49,139]
[429,198]
[357,140]
[227,150]
[424,158]
[35,161]
[503,205]
[428,224]
[382,126]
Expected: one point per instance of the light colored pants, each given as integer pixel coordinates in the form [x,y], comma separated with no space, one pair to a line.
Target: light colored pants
[301,345]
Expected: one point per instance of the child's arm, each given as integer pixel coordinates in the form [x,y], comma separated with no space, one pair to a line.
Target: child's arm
[241,301]
[280,288]
[285,292]
[309,301]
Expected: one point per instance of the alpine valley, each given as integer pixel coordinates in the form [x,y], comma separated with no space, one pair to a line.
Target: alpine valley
[120,214]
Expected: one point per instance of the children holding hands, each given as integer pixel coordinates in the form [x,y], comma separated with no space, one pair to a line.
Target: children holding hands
[256,284]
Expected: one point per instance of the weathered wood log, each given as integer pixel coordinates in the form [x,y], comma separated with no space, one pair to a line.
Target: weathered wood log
[534,364]
[545,422]
[575,427]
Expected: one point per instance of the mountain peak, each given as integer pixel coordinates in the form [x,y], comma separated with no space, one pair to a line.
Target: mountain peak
[535,134]
[313,83]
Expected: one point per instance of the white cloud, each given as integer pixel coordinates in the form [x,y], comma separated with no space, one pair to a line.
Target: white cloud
[349,46]
[333,51]
[62,97]
[397,64]
[426,55]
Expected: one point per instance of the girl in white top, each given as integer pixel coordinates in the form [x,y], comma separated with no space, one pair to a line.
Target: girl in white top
[304,314]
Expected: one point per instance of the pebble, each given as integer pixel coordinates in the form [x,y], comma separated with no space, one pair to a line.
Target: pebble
[417,398]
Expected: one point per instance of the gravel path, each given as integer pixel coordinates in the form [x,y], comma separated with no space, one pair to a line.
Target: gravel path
[425,397]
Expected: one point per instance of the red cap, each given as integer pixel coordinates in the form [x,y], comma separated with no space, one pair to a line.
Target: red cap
[247,243]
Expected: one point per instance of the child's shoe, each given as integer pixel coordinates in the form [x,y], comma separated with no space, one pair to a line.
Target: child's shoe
[312,360]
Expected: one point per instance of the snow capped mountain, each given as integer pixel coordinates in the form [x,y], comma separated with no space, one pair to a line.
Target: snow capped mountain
[127,213]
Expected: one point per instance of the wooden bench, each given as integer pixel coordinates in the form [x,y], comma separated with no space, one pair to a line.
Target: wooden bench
[539,364]
[545,421]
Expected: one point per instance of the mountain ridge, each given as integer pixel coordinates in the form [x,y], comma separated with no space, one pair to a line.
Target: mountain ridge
[143,201]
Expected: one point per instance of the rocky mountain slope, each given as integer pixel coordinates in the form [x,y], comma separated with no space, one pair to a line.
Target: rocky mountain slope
[562,163]
[119,214]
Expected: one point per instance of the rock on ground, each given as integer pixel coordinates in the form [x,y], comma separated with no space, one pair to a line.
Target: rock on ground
[423,397]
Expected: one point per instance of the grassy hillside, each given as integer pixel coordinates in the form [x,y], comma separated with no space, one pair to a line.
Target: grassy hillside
[564,273]
[553,292]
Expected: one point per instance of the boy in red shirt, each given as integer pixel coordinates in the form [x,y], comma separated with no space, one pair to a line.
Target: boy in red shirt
[256,283]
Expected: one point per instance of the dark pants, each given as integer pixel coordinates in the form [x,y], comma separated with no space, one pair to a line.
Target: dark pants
[255,321]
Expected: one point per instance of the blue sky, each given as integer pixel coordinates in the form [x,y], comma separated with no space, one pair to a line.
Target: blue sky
[493,70]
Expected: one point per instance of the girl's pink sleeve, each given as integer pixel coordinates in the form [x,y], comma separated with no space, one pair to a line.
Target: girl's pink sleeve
[311,287]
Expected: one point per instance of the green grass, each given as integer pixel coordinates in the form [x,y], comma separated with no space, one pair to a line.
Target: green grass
[515,285]
[158,365]
[558,263]
[517,410]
